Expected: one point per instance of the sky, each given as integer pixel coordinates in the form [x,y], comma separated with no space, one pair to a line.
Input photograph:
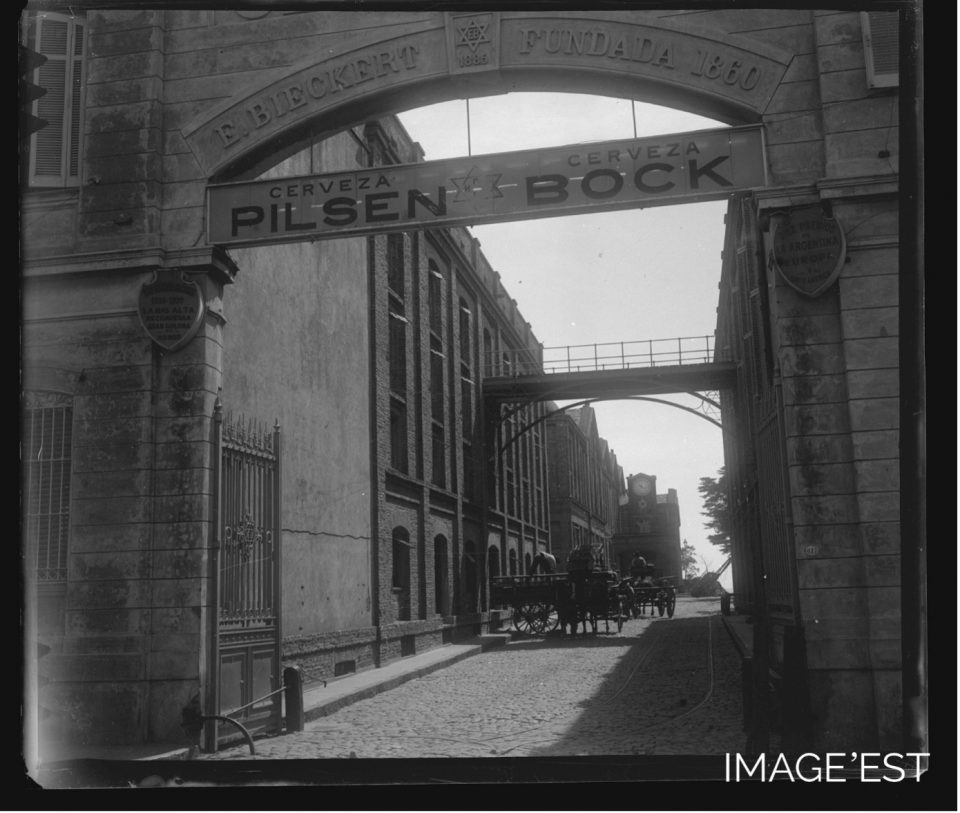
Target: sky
[604,277]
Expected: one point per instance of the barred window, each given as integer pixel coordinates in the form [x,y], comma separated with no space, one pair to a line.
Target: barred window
[46,441]
[55,149]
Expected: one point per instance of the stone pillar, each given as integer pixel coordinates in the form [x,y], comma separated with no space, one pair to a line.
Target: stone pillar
[129,653]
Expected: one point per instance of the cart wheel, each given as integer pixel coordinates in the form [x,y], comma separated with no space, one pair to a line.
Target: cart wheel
[671,604]
[661,605]
[551,618]
[543,618]
[522,619]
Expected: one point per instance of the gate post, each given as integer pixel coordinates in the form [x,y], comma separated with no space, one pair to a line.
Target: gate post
[293,698]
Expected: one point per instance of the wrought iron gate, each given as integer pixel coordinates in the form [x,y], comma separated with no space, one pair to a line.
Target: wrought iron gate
[248,578]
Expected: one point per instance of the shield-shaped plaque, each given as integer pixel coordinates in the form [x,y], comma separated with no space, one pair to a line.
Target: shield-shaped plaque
[808,249]
[171,309]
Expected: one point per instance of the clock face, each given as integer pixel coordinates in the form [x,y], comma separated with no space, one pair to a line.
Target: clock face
[642,486]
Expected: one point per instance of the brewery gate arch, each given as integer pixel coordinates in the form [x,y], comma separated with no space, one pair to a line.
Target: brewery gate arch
[178,99]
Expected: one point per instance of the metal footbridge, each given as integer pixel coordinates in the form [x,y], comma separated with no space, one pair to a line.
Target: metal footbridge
[607,371]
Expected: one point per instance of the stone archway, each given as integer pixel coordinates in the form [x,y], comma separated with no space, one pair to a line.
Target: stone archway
[709,71]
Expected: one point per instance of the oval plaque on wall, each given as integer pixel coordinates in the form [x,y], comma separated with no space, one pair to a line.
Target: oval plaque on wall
[808,249]
[171,309]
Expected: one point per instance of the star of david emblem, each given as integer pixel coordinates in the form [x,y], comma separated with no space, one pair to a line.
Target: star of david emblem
[473,186]
[473,33]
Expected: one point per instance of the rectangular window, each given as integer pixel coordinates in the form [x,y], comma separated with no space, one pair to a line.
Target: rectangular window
[469,484]
[47,435]
[464,330]
[466,407]
[398,435]
[436,386]
[398,352]
[395,265]
[55,149]
[435,302]
[439,474]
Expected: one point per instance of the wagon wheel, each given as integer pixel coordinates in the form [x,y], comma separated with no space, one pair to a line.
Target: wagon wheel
[522,619]
[661,604]
[544,618]
[671,603]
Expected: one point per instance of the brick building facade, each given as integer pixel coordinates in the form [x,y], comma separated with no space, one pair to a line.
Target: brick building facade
[586,486]
[649,524]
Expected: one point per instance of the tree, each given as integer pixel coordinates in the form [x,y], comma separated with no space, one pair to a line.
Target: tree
[716,504]
[688,561]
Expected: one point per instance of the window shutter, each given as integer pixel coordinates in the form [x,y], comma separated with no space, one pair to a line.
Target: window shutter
[881,47]
[55,150]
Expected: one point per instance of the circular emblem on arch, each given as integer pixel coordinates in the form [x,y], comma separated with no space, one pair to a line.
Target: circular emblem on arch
[171,309]
[809,249]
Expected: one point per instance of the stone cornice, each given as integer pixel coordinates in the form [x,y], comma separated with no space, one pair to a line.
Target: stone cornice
[869,186]
[206,259]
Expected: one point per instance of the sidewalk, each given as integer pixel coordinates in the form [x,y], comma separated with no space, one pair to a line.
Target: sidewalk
[741,630]
[318,700]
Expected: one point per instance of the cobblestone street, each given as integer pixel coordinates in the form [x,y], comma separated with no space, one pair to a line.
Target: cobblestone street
[661,686]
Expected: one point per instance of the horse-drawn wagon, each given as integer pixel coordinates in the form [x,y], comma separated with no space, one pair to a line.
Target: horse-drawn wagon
[660,595]
[540,603]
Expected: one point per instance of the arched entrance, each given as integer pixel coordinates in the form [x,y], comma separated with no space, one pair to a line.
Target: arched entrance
[732,78]
[230,105]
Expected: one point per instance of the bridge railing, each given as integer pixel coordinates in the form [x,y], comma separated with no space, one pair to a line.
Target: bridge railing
[578,358]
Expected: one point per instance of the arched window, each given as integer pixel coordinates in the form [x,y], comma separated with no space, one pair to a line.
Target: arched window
[512,562]
[527,562]
[441,580]
[493,561]
[401,572]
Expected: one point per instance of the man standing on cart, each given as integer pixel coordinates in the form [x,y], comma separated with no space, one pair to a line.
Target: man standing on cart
[638,567]
[544,563]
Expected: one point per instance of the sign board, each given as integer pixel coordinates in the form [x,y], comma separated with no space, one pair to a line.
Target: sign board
[599,176]
[809,249]
[171,309]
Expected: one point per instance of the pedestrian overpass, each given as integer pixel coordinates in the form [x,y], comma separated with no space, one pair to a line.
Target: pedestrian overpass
[607,371]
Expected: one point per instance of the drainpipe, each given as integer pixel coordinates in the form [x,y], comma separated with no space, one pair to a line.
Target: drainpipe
[375,612]
[912,399]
